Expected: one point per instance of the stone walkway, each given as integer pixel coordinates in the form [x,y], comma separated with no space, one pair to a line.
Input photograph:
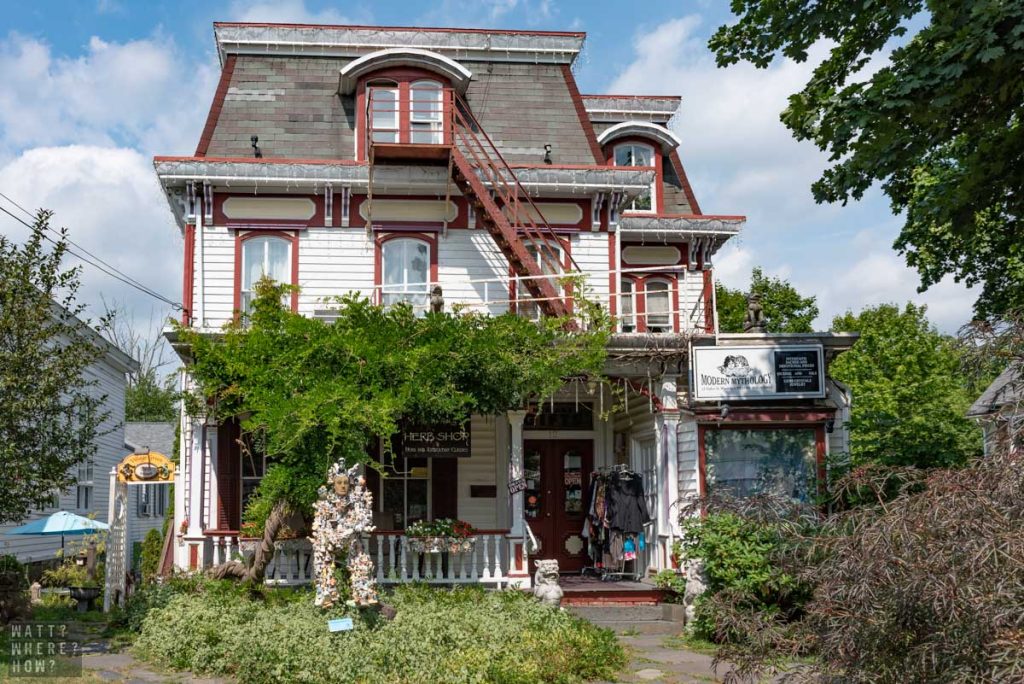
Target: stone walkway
[657,658]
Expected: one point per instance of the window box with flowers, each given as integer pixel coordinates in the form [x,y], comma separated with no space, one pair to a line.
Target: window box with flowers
[443,535]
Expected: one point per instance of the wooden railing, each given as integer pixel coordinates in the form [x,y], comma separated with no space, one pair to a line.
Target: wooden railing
[489,562]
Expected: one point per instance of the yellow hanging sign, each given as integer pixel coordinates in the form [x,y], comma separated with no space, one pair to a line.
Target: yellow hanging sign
[147,468]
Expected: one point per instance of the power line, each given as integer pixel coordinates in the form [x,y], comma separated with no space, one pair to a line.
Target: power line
[105,268]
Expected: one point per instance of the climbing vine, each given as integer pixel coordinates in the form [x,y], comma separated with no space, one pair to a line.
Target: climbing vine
[313,392]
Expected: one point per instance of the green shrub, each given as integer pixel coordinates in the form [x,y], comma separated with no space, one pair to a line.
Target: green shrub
[739,558]
[13,589]
[672,583]
[152,545]
[463,635]
[67,575]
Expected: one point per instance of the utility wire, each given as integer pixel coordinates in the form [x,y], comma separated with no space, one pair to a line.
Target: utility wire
[105,268]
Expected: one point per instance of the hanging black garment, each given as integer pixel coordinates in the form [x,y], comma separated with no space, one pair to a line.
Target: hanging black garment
[627,507]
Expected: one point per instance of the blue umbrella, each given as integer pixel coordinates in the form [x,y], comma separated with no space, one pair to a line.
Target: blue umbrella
[62,523]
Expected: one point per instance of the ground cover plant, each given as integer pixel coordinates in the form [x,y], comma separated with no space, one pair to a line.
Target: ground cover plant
[462,635]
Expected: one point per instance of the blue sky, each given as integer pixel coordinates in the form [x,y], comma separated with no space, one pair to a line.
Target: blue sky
[94,88]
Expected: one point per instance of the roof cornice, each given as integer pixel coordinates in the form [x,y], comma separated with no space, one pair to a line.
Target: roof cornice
[356,41]
[666,138]
[457,74]
[616,108]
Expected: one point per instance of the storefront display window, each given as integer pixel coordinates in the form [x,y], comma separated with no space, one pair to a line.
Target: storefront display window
[747,462]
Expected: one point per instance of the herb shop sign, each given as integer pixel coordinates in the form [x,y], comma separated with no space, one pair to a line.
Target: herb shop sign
[758,372]
[435,441]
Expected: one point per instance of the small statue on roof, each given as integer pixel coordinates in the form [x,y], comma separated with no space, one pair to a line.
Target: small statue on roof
[753,322]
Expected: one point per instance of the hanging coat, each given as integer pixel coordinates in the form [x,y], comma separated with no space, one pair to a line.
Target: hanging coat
[627,506]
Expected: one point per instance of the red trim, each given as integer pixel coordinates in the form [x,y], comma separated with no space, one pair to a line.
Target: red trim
[260,160]
[240,237]
[431,29]
[356,220]
[216,106]
[378,258]
[581,112]
[709,308]
[220,219]
[193,556]
[687,189]
[767,423]
[187,286]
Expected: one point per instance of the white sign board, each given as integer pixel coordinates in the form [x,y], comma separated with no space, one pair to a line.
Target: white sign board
[758,372]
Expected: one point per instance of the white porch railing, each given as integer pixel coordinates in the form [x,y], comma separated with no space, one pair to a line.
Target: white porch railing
[496,559]
[492,560]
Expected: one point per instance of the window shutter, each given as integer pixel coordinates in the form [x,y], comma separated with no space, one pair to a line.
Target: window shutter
[229,515]
[444,484]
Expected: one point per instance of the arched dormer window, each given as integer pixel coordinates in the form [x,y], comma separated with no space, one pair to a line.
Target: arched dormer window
[426,112]
[638,154]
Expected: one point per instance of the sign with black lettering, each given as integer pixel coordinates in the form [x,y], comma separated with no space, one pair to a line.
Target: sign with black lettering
[728,373]
[435,441]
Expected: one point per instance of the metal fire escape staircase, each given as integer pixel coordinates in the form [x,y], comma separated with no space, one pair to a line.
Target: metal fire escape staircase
[501,204]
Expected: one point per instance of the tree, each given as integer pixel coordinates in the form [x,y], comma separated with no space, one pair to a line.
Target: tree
[51,414]
[785,309]
[150,394]
[939,126]
[909,398]
[309,393]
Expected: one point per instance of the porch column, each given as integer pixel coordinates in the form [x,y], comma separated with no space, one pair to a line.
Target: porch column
[670,435]
[515,422]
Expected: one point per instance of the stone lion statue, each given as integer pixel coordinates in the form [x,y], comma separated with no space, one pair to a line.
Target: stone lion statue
[545,583]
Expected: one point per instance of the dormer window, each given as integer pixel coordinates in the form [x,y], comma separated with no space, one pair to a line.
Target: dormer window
[406,111]
[638,154]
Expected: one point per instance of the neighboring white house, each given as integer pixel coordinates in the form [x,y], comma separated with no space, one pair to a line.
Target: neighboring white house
[90,494]
[998,409]
[148,504]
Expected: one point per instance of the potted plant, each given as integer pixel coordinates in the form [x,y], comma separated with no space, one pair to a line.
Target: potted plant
[443,535]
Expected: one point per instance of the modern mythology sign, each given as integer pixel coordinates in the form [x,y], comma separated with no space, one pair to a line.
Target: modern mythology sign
[758,372]
[151,467]
[435,441]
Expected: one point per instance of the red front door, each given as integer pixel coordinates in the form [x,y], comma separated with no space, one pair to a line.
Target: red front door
[557,498]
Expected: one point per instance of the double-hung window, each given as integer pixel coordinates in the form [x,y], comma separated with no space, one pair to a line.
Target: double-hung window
[406,112]
[384,113]
[84,489]
[627,306]
[406,273]
[426,113]
[264,256]
[635,154]
[657,305]
[404,495]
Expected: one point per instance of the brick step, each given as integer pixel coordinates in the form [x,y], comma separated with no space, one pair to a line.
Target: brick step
[633,614]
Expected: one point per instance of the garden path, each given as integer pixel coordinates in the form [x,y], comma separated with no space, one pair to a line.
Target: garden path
[659,658]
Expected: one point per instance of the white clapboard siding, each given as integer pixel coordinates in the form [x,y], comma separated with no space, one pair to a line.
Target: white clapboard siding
[110,381]
[218,246]
[472,255]
[688,459]
[333,262]
[691,300]
[590,252]
[479,469]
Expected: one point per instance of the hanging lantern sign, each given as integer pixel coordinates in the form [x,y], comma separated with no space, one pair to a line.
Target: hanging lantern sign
[150,467]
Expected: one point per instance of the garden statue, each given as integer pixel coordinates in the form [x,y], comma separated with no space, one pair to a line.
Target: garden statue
[545,583]
[436,299]
[753,322]
[343,513]
[695,586]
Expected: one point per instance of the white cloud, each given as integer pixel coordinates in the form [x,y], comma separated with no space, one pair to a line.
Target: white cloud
[742,160]
[112,205]
[142,93]
[285,12]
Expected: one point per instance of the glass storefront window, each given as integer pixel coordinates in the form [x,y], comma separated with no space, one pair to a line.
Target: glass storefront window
[404,491]
[747,462]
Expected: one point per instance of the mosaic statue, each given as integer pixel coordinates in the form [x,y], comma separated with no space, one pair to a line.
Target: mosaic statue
[342,514]
[753,321]
[545,583]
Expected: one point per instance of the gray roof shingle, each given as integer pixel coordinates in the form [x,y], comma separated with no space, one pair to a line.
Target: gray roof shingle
[1006,389]
[157,437]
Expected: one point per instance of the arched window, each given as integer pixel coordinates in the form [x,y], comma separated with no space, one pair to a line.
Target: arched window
[426,123]
[405,273]
[627,306]
[637,154]
[264,256]
[658,305]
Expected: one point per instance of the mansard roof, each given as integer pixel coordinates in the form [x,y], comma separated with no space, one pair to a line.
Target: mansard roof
[489,45]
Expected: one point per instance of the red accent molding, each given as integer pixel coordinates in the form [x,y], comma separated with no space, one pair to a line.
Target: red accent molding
[216,106]
[188,280]
[687,189]
[378,258]
[581,112]
[193,556]
[240,237]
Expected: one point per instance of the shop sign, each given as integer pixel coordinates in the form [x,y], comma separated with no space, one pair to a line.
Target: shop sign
[758,372]
[517,485]
[147,468]
[435,441]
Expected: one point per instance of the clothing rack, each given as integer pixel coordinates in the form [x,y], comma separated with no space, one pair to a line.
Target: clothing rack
[635,522]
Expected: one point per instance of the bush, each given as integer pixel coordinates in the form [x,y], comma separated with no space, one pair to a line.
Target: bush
[13,587]
[672,583]
[70,575]
[437,636]
[152,545]
[740,557]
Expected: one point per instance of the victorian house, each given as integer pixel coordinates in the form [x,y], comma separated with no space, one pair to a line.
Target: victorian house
[387,161]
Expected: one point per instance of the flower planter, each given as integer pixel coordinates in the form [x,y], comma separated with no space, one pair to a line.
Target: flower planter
[441,544]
